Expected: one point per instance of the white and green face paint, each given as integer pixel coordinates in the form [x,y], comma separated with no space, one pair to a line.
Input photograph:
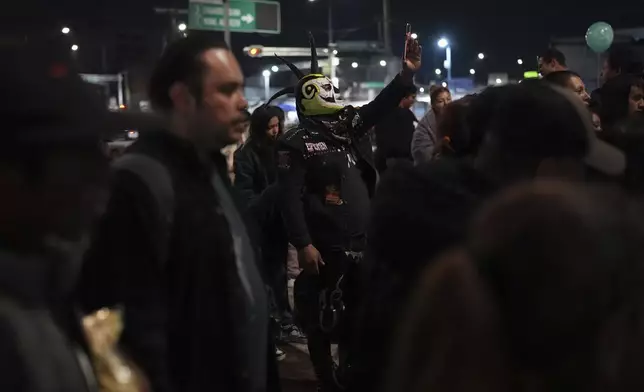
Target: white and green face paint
[317,96]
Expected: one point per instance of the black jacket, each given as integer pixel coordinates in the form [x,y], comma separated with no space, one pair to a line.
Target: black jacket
[325,201]
[393,137]
[41,340]
[258,192]
[193,323]
[418,213]
[255,184]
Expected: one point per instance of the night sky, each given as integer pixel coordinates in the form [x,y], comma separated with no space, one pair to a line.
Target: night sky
[505,31]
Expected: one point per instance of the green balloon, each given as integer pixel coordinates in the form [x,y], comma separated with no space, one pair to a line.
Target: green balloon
[599,36]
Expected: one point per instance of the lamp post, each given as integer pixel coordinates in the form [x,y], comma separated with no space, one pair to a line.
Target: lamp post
[443,43]
[267,84]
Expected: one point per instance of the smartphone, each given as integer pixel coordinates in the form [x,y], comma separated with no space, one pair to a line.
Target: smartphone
[407,36]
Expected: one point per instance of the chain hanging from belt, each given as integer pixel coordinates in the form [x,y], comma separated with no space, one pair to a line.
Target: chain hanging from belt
[332,306]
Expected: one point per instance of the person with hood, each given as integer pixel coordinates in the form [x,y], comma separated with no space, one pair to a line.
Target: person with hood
[255,182]
[327,177]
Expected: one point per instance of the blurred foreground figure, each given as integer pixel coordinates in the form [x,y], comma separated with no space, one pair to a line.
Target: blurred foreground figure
[172,247]
[53,183]
[503,136]
[546,295]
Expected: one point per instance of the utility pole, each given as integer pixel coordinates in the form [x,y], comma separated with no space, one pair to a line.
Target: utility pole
[227,23]
[331,44]
[386,25]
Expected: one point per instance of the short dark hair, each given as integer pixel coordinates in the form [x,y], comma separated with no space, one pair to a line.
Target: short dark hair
[554,54]
[517,126]
[624,60]
[560,78]
[435,91]
[614,99]
[454,131]
[180,62]
[411,90]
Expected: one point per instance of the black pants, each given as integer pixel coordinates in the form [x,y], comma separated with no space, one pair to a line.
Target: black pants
[277,279]
[321,332]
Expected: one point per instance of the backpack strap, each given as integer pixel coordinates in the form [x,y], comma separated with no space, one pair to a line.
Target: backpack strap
[156,177]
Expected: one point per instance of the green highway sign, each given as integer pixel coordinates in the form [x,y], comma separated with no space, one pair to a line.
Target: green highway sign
[245,16]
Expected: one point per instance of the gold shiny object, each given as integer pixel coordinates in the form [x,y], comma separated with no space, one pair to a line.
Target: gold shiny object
[115,373]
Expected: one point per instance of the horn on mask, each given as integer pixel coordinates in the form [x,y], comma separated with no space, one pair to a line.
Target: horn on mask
[292,67]
[282,92]
[315,66]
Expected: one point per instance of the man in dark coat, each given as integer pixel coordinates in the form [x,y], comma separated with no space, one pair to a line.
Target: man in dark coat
[394,134]
[181,263]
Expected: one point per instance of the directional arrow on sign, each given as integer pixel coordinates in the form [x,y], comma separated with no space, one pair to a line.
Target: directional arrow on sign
[248,18]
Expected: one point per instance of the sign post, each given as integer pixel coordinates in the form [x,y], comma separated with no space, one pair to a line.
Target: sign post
[236,16]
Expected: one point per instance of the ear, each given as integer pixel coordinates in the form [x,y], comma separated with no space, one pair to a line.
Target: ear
[182,100]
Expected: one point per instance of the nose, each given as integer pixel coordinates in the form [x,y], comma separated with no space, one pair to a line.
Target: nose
[586,97]
[243,102]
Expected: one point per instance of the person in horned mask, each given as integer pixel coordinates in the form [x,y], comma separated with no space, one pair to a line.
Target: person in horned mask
[327,177]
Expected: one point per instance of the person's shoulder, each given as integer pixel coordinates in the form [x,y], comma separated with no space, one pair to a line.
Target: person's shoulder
[294,138]
[244,150]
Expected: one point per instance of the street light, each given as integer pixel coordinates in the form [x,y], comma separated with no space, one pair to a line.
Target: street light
[438,71]
[182,27]
[74,48]
[275,68]
[481,56]
[444,84]
[383,63]
[422,90]
[65,30]
[354,65]
[520,62]
[267,84]
[498,81]
[472,71]
[443,43]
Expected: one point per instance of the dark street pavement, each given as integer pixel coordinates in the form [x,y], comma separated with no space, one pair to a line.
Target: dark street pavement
[296,371]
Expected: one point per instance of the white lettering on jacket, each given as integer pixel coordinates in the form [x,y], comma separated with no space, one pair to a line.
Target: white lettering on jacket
[313,147]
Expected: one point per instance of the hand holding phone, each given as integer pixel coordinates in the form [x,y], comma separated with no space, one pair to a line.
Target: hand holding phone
[407,38]
[412,54]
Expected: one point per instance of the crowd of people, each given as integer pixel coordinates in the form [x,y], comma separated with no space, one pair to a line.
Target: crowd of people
[493,245]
